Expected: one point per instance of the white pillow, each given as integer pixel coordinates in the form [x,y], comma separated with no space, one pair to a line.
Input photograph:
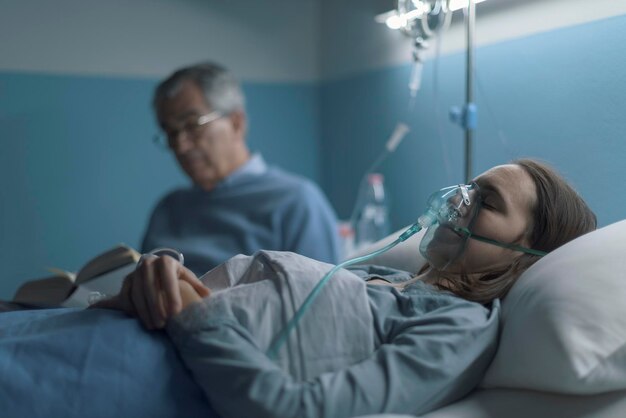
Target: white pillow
[404,256]
[564,321]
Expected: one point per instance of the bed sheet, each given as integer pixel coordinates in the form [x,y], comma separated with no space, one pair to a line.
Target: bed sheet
[93,363]
[497,403]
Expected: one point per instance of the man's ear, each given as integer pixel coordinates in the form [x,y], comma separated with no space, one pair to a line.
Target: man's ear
[240,122]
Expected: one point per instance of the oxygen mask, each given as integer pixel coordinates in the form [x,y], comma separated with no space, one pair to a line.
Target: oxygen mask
[450,216]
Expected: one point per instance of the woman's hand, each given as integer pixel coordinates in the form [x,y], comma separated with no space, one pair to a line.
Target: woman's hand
[158,289]
[188,294]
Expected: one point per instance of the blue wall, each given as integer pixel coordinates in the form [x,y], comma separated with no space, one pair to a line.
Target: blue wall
[79,172]
[558,96]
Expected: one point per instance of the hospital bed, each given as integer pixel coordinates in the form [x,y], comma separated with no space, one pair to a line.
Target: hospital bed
[562,350]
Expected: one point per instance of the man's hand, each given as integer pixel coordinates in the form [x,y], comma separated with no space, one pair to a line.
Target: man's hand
[153,291]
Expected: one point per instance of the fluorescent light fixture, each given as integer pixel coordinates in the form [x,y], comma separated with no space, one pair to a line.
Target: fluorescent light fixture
[395,20]
[382,18]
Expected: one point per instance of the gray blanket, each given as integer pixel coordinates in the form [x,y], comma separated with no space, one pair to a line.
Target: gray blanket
[263,292]
[359,349]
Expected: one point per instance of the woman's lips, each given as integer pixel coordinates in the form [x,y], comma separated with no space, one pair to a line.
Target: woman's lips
[446,235]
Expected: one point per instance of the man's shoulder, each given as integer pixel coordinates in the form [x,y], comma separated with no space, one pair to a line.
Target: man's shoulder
[177,194]
[284,179]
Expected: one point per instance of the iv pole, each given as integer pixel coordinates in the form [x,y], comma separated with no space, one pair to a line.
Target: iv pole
[466,117]
[470,108]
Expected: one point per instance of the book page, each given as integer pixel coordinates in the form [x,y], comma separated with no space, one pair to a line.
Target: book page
[62,273]
[109,283]
[78,299]
[118,256]
[48,291]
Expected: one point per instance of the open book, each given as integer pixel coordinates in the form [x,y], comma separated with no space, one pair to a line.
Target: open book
[104,273]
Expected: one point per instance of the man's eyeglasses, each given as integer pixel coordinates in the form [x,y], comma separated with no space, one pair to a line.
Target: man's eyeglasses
[192,129]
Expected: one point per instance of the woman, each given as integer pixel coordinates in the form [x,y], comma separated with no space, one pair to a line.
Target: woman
[400,344]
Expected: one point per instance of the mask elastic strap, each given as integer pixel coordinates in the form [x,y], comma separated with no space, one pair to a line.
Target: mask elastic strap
[498,243]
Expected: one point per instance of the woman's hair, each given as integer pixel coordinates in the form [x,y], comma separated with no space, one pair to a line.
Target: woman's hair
[559,216]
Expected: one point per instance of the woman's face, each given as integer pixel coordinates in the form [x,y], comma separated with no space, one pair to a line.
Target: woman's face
[508,198]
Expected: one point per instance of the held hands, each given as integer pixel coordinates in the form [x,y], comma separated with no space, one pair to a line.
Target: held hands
[159,288]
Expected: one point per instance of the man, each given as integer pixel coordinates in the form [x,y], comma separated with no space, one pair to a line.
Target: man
[237,203]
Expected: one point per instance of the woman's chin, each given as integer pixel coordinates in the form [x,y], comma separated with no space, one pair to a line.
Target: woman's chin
[440,259]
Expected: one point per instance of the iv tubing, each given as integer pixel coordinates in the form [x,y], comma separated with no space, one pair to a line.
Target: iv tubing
[394,140]
[281,337]
[398,134]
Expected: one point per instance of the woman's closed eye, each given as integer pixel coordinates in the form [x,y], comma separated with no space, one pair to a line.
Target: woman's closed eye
[489,203]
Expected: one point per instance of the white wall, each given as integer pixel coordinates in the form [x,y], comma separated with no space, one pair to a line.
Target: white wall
[269,40]
[352,42]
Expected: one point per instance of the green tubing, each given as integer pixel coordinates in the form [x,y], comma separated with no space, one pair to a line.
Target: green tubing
[513,247]
[282,336]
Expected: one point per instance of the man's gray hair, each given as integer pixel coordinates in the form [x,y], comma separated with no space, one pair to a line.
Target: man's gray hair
[221,89]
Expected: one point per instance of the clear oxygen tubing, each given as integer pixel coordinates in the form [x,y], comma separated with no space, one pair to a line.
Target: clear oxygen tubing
[394,140]
[281,338]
